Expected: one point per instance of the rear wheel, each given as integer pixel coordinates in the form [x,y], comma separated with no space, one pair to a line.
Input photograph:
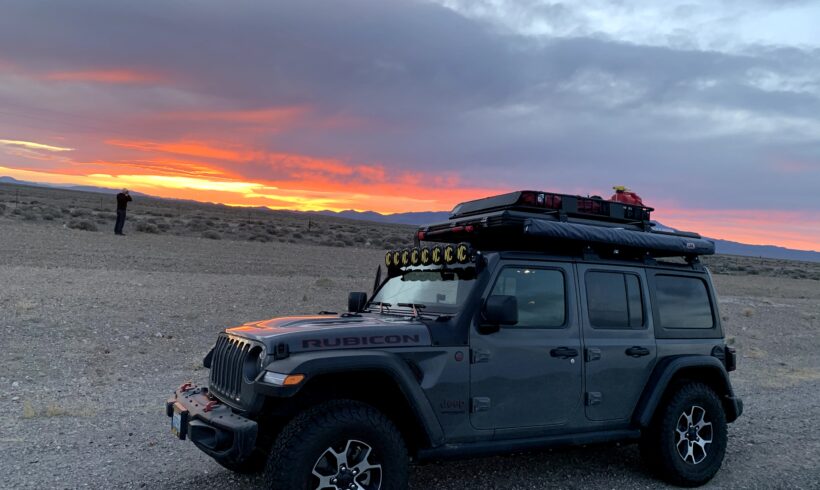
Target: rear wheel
[687,440]
[338,445]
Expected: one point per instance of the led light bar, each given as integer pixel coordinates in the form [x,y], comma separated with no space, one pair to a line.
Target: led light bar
[448,254]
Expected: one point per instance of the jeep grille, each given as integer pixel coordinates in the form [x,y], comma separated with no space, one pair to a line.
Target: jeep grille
[227,365]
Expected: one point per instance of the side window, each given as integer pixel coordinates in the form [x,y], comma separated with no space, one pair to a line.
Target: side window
[540,294]
[683,302]
[614,300]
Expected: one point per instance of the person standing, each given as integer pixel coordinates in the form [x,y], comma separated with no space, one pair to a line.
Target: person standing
[123,198]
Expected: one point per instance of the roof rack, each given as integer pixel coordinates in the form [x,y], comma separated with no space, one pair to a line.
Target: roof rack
[527,219]
[561,205]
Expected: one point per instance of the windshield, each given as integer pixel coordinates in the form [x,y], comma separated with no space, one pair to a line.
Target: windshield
[439,291]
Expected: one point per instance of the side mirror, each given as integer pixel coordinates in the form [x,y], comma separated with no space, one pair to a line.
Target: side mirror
[498,310]
[356,302]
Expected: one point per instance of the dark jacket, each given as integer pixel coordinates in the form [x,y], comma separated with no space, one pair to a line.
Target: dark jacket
[122,201]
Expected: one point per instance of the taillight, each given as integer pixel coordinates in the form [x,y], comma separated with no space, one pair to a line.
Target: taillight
[540,200]
[731,359]
[726,355]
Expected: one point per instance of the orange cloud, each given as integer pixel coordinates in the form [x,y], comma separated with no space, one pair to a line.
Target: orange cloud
[187,148]
[269,116]
[790,229]
[112,76]
[417,192]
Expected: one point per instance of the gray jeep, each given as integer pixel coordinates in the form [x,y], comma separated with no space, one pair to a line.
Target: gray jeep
[527,320]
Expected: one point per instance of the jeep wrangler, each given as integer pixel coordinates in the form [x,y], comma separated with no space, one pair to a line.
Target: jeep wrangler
[527,320]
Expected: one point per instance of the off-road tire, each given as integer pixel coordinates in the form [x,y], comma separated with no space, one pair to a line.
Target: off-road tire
[660,442]
[305,438]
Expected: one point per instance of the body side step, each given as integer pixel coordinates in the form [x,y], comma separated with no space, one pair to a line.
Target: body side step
[485,448]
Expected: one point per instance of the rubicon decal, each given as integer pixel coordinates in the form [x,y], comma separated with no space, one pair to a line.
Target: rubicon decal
[377,340]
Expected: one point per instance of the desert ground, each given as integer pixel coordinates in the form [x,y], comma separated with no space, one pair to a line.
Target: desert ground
[96,331]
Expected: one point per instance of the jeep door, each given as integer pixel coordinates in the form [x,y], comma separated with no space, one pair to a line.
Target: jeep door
[619,341]
[529,374]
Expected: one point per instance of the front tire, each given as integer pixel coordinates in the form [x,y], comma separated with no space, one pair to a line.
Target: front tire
[341,444]
[686,442]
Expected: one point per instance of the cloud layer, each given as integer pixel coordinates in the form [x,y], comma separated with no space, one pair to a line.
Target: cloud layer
[399,106]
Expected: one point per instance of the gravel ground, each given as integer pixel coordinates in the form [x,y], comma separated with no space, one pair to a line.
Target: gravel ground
[97,330]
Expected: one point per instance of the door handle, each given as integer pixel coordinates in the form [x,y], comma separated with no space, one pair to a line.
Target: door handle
[637,351]
[564,352]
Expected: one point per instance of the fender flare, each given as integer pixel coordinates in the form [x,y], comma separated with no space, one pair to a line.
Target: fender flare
[666,370]
[314,364]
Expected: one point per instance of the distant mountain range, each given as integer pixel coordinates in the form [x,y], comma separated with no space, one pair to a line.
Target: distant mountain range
[84,188]
[421,218]
[416,219]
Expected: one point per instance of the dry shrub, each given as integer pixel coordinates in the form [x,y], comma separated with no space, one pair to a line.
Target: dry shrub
[55,411]
[51,214]
[28,410]
[82,224]
[197,225]
[147,228]
[211,235]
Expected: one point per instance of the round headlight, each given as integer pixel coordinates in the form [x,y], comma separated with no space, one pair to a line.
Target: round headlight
[262,362]
[255,363]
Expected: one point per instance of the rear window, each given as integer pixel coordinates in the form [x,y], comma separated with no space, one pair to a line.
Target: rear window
[683,302]
[614,300]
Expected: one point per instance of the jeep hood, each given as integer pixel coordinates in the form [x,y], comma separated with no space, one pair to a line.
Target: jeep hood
[325,332]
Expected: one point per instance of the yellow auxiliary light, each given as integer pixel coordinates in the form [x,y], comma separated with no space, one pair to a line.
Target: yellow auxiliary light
[424,256]
[396,258]
[414,257]
[405,257]
[449,254]
[462,253]
[388,258]
[436,255]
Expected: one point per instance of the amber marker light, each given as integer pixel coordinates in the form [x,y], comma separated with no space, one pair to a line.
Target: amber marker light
[293,379]
[279,379]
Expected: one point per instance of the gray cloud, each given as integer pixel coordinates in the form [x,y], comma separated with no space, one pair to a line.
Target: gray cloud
[437,91]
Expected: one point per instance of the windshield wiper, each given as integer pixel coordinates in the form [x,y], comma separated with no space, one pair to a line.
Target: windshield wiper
[415,306]
[382,305]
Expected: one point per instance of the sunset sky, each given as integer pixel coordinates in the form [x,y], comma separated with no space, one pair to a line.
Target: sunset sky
[710,110]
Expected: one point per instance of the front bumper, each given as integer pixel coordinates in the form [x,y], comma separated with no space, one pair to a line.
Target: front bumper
[212,426]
